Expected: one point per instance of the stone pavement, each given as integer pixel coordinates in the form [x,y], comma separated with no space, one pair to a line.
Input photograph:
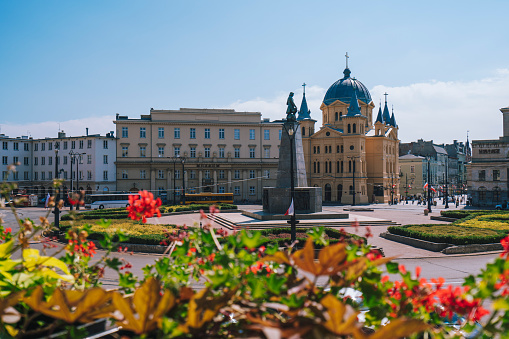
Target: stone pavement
[403,214]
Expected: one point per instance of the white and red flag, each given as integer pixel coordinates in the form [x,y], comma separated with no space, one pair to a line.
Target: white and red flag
[290,209]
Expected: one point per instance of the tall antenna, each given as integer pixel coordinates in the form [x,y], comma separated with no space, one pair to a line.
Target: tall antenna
[346,56]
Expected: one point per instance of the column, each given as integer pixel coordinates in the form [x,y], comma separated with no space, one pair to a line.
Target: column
[200,181]
[214,175]
[169,185]
[229,188]
[259,185]
[152,179]
[245,188]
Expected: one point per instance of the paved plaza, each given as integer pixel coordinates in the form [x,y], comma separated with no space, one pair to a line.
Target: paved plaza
[402,214]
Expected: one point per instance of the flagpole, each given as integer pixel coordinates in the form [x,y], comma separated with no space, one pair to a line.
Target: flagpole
[429,185]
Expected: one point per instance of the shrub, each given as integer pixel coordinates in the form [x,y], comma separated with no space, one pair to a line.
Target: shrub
[333,236]
[449,234]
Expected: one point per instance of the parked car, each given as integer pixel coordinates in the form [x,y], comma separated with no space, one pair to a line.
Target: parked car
[502,206]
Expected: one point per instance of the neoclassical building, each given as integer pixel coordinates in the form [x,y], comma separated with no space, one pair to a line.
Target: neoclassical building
[351,152]
[488,172]
[224,151]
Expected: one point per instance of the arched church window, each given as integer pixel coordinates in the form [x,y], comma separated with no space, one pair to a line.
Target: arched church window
[354,128]
[303,131]
[337,116]
[349,128]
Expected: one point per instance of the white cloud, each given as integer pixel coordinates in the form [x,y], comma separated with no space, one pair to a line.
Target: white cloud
[443,111]
[76,127]
[275,108]
[435,110]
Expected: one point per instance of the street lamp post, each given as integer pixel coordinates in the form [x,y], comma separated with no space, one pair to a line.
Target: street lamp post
[291,135]
[446,195]
[182,161]
[406,188]
[353,192]
[72,178]
[76,156]
[429,185]
[57,196]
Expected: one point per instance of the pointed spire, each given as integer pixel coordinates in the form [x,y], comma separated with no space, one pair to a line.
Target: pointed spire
[393,119]
[304,112]
[386,116]
[379,117]
[354,108]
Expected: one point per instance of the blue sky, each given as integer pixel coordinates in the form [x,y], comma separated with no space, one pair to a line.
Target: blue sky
[444,64]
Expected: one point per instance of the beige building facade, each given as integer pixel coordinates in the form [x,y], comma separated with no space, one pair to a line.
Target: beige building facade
[203,150]
[413,169]
[488,172]
[351,155]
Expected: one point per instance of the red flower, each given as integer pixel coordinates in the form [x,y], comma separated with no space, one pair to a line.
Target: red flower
[8,230]
[143,206]
[505,244]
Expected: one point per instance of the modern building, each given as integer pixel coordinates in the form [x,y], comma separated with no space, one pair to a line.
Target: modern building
[488,172]
[92,170]
[352,154]
[201,150]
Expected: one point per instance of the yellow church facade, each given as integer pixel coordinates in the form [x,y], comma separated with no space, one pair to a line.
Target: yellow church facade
[351,156]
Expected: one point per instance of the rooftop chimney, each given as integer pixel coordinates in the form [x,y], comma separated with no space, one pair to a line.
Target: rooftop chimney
[87,131]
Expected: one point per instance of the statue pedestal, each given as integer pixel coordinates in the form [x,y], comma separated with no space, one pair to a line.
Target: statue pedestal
[276,200]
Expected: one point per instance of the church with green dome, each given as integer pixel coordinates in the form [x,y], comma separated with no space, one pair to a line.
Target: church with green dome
[351,157]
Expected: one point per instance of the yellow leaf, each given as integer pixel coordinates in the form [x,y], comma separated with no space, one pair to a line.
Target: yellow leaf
[72,306]
[143,311]
[397,328]
[6,248]
[305,258]
[342,318]
[331,257]
[279,257]
[203,307]
[33,259]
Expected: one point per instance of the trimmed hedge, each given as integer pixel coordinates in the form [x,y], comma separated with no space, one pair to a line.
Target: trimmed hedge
[460,214]
[334,236]
[96,214]
[449,234]
[195,207]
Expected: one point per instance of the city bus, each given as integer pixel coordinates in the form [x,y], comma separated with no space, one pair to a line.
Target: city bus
[209,198]
[101,201]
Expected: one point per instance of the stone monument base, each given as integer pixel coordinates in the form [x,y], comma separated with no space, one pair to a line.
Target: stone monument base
[276,200]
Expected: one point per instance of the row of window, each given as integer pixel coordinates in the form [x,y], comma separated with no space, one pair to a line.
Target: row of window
[192,152]
[15,160]
[192,174]
[15,146]
[220,189]
[495,175]
[64,175]
[206,133]
[65,160]
[65,145]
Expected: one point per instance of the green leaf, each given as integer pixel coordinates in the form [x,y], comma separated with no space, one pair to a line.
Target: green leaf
[271,249]
[293,301]
[257,287]
[274,283]
[392,267]
[219,278]
[251,239]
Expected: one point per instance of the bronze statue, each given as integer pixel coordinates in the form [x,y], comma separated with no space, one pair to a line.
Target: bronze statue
[291,109]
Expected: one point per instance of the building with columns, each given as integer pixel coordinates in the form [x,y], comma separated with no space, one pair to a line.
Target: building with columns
[488,172]
[351,153]
[203,150]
